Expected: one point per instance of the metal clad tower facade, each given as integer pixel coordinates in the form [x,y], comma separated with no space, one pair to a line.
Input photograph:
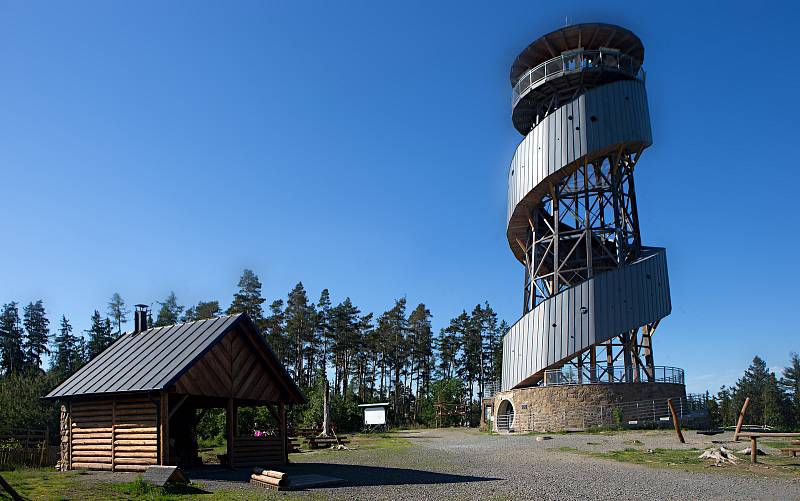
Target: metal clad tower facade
[593,295]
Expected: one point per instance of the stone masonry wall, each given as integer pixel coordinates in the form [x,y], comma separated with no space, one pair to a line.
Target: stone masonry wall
[575,407]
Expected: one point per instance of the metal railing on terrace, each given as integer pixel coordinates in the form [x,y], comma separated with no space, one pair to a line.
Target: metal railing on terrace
[603,374]
[575,61]
[490,388]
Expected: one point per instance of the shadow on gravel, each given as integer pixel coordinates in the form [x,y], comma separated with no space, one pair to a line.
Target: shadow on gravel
[361,475]
[356,475]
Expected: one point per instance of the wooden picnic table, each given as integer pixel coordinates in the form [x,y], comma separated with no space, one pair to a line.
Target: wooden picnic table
[754,436]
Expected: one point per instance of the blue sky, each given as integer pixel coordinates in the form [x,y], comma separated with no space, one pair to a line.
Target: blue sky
[364,146]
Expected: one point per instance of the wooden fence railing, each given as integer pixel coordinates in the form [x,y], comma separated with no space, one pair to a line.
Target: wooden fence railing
[26,447]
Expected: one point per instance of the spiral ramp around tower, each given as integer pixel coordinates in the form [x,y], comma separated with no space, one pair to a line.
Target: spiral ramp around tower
[609,117]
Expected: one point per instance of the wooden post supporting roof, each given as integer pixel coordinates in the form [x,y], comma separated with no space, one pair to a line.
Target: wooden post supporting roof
[284,432]
[113,429]
[230,429]
[163,431]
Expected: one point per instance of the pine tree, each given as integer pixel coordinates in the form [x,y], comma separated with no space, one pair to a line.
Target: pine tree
[489,336]
[727,412]
[170,312]
[363,356]
[299,328]
[345,325]
[274,332]
[117,311]
[312,345]
[421,336]
[448,345]
[790,382]
[201,311]
[324,328]
[471,352]
[100,335]
[248,299]
[12,358]
[372,350]
[393,327]
[494,347]
[37,334]
[768,405]
[68,356]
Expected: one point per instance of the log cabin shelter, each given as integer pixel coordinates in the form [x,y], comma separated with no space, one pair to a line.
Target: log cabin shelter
[136,404]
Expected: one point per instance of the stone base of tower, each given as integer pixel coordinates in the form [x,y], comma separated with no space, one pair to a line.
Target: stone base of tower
[578,407]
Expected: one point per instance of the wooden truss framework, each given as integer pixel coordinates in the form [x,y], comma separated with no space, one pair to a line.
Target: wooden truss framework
[586,223]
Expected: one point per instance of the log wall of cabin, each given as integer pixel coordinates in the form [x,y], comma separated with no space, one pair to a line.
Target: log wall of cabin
[258,451]
[113,433]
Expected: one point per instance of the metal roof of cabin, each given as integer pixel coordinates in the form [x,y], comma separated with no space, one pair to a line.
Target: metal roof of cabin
[155,358]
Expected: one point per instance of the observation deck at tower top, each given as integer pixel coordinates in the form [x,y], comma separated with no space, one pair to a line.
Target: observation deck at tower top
[578,57]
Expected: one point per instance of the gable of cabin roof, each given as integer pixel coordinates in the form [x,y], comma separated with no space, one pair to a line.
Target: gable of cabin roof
[240,364]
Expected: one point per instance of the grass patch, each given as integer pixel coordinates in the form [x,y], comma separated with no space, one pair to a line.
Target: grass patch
[776,444]
[686,459]
[377,441]
[658,457]
[605,430]
[139,489]
[664,457]
[43,484]
[209,448]
[209,454]
[379,447]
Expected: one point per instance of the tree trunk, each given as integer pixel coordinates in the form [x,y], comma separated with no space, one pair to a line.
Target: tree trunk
[345,376]
[326,409]
[480,374]
[383,373]
[374,374]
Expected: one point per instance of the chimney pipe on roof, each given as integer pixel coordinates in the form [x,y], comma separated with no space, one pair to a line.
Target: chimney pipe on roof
[140,318]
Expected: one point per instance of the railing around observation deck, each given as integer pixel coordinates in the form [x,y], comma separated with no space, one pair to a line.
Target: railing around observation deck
[576,61]
[603,374]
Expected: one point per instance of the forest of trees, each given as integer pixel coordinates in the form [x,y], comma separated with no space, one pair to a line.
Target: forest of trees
[774,401]
[391,356]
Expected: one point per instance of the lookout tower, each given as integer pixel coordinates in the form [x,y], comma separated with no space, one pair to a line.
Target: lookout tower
[592,295]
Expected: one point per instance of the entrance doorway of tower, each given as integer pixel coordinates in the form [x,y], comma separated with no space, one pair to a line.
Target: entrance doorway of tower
[505,416]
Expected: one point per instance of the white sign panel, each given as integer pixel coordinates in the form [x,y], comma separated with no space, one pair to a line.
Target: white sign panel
[375,415]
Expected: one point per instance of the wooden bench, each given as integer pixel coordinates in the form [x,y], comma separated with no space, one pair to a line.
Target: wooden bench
[754,440]
[305,432]
[320,442]
[294,444]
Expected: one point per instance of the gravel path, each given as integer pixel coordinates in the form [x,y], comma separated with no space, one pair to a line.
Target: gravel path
[465,464]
